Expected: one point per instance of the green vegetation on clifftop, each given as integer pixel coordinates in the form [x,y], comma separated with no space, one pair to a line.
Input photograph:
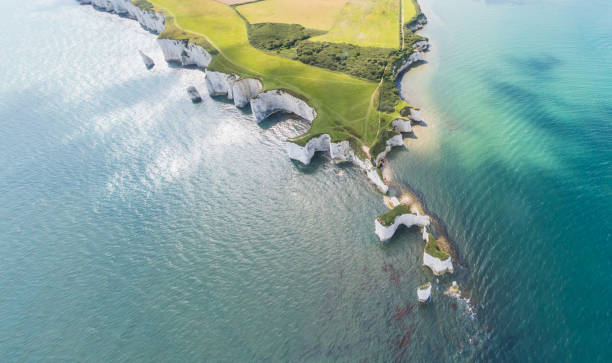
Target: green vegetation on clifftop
[432,249]
[388,218]
[346,95]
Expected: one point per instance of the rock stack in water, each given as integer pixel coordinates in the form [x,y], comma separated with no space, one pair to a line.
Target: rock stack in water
[194,94]
[146,60]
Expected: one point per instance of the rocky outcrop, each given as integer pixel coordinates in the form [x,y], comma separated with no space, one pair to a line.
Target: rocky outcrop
[184,53]
[396,140]
[421,45]
[401,125]
[386,232]
[148,62]
[418,23]
[339,152]
[219,83]
[177,51]
[269,102]
[304,154]
[194,94]
[437,266]
[416,115]
[424,292]
[413,58]
[148,19]
[243,90]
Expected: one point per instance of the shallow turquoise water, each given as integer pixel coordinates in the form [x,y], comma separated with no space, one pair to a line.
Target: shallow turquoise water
[135,225]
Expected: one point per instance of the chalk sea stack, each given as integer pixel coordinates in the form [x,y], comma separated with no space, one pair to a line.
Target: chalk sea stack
[194,94]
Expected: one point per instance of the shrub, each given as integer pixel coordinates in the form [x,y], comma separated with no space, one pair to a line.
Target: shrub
[270,36]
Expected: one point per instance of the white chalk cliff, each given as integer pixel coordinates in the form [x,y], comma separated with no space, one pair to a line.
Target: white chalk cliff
[396,140]
[339,152]
[243,90]
[437,266]
[178,51]
[184,53]
[401,125]
[424,292]
[416,115]
[413,58]
[421,45]
[249,90]
[272,101]
[408,220]
[150,20]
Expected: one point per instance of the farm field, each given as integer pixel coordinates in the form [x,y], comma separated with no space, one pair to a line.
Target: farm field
[410,9]
[367,23]
[344,104]
[313,14]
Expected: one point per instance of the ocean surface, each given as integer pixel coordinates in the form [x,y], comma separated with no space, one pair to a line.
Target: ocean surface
[137,226]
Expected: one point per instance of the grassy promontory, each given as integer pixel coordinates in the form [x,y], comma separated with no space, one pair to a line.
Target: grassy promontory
[351,103]
[388,218]
[432,249]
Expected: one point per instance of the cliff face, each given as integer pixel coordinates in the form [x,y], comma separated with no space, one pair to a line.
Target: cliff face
[178,51]
[249,90]
[243,90]
[339,152]
[401,125]
[150,20]
[409,61]
[386,232]
[184,53]
[269,102]
[396,140]
[437,266]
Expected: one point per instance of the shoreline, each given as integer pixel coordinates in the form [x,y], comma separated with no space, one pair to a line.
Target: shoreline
[265,102]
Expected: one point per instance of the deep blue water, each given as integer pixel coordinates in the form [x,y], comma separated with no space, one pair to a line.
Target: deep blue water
[135,225]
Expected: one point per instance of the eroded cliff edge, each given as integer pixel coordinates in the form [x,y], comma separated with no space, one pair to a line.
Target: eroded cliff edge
[245,91]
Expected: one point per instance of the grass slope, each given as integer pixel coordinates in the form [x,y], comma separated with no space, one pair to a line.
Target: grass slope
[315,14]
[367,23]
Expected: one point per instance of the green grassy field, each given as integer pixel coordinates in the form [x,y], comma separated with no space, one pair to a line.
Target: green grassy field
[366,23]
[314,14]
[346,106]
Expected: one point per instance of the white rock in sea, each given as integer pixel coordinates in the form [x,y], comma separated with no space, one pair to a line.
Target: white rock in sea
[386,232]
[437,266]
[244,89]
[272,101]
[401,125]
[184,53]
[416,115]
[194,94]
[413,58]
[146,60]
[396,140]
[424,292]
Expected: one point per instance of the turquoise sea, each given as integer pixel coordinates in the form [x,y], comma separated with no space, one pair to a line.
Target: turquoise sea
[137,226]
